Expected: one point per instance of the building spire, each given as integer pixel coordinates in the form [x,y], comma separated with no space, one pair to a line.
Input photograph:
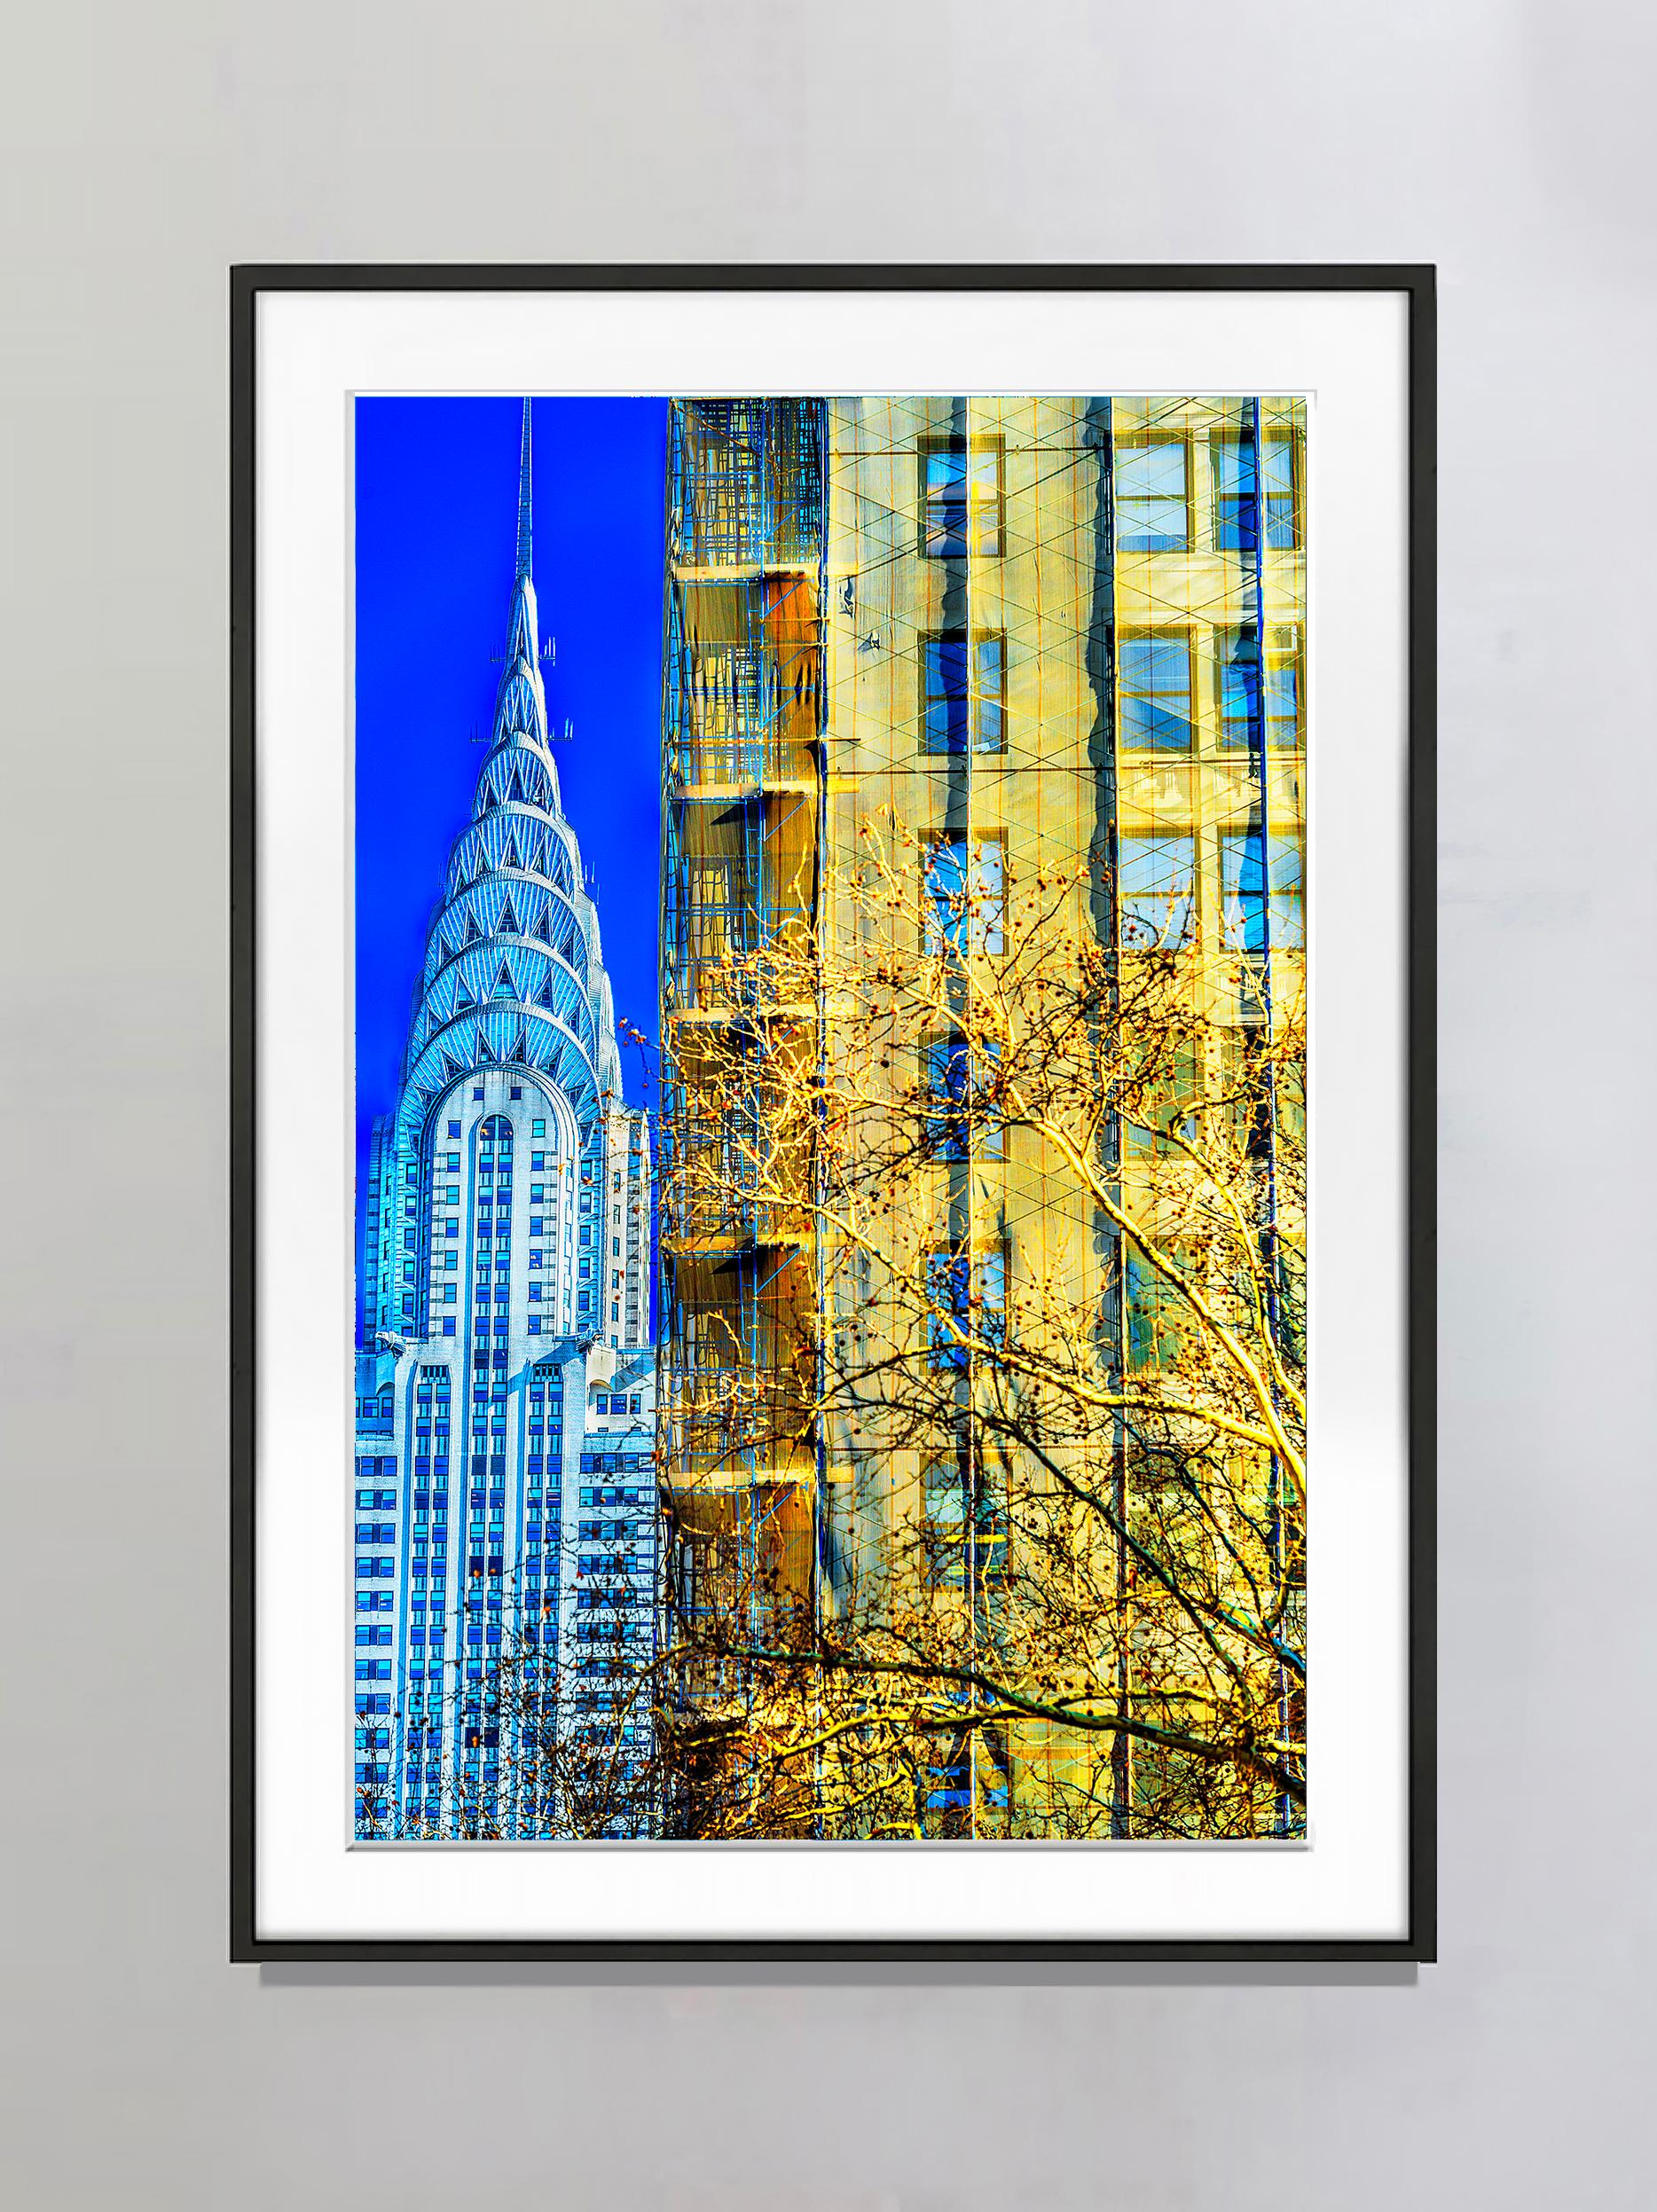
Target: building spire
[524,501]
[521,701]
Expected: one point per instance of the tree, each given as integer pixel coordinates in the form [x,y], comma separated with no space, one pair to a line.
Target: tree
[1024,1201]
[515,1745]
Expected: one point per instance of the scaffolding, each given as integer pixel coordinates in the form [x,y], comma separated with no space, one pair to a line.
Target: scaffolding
[741,712]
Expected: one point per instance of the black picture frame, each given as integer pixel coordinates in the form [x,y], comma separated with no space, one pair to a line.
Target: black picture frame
[1416,284]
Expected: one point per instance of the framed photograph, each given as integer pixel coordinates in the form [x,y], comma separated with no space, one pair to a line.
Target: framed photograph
[833,1206]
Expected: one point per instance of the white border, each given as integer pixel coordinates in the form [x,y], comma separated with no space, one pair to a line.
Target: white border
[1347,348]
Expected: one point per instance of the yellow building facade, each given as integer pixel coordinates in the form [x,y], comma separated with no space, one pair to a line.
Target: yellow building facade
[961,692]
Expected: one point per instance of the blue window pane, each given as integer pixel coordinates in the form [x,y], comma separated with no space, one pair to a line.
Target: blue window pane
[1283,705]
[1259,917]
[944,494]
[1150,497]
[966,1297]
[948,1290]
[1232,463]
[1277,469]
[1156,889]
[963,1119]
[1152,1312]
[961,502]
[949,1084]
[1154,692]
[961,688]
[989,668]
[965,895]
[1237,492]
[1239,687]
[945,728]
[1233,460]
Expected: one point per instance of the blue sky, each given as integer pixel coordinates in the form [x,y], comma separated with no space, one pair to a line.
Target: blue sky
[437,509]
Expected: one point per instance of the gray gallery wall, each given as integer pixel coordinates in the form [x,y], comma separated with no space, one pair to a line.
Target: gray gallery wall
[146,147]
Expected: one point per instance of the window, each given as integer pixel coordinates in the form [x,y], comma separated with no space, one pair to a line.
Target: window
[1235,503]
[1154,692]
[1162,1103]
[1152,507]
[1283,689]
[966,1295]
[1156,889]
[1156,1314]
[1259,918]
[943,1498]
[964,891]
[958,1116]
[714,902]
[964,692]
[537,1128]
[961,499]
[454,1131]
[1239,687]
[966,1529]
